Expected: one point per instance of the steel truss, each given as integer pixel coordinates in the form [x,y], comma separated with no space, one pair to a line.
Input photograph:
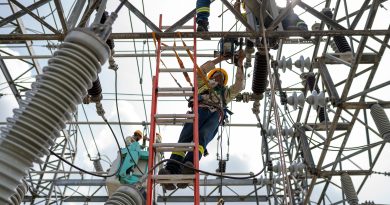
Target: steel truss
[55,182]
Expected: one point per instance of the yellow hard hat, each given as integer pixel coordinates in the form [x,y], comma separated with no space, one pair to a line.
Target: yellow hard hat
[211,73]
[139,133]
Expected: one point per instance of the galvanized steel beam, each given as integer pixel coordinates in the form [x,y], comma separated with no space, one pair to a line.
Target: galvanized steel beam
[22,12]
[9,38]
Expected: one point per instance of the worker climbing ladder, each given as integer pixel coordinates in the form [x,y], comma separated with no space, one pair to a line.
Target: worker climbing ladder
[171,119]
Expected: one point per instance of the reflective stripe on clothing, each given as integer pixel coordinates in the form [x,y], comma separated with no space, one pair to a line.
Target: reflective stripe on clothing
[182,154]
[201,149]
[203,9]
[301,22]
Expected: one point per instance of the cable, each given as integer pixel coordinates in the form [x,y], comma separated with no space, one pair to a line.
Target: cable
[88,172]
[120,124]
[255,189]
[80,169]
[43,28]
[347,148]
[70,9]
[312,7]
[116,104]
[336,149]
[146,130]
[147,41]
[85,145]
[139,73]
[90,129]
[205,172]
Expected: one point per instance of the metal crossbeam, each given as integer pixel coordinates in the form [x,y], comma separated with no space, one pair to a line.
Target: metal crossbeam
[50,188]
[278,34]
[142,17]
[9,80]
[20,13]
[60,12]
[35,16]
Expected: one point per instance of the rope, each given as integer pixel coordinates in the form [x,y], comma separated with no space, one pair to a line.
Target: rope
[187,77]
[139,73]
[198,70]
[90,129]
[162,62]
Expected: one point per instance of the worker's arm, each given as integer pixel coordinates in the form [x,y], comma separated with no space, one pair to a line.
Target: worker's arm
[207,67]
[237,87]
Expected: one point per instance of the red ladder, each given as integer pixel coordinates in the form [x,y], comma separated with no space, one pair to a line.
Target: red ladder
[170,119]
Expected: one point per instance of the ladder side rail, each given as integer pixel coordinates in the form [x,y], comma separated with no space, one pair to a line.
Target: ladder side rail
[195,126]
[150,191]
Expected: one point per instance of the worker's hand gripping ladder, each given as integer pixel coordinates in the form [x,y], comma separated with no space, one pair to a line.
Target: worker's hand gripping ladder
[172,119]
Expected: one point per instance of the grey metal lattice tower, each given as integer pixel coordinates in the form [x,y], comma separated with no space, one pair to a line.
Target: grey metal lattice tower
[322,140]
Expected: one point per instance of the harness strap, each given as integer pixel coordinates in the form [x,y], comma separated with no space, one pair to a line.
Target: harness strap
[187,77]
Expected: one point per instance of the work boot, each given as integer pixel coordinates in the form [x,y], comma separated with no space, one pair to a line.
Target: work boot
[186,170]
[203,28]
[166,186]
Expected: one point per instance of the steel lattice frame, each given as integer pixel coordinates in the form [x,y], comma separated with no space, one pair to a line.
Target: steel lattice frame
[55,182]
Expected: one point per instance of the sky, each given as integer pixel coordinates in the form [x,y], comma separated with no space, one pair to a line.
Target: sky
[244,142]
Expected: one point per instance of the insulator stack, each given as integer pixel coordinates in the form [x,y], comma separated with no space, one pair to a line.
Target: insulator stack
[104,17]
[109,42]
[342,44]
[39,118]
[322,115]
[271,132]
[21,191]
[341,41]
[381,121]
[368,203]
[260,74]
[306,151]
[98,165]
[349,190]
[287,132]
[297,167]
[295,100]
[334,47]
[96,91]
[221,166]
[311,80]
[126,195]
[277,168]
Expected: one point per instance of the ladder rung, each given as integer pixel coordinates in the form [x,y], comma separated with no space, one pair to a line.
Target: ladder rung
[177,48]
[174,178]
[173,121]
[171,147]
[175,92]
[175,116]
[174,89]
[166,70]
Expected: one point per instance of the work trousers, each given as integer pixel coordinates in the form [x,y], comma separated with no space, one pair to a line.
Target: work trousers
[202,10]
[208,123]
